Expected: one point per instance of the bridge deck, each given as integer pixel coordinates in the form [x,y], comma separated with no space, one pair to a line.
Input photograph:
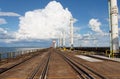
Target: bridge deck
[56,64]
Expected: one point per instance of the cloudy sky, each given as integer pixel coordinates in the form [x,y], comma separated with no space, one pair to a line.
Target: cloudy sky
[34,23]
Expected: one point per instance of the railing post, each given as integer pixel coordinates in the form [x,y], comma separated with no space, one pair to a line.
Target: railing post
[0,57]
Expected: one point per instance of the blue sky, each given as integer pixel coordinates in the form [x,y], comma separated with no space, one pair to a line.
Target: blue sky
[82,10]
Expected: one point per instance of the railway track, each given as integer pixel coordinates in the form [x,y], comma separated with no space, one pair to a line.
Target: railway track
[55,64]
[24,68]
[2,70]
[40,71]
[83,71]
[106,68]
[59,68]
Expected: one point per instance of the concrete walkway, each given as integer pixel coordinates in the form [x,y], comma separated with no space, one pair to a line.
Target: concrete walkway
[90,59]
[104,57]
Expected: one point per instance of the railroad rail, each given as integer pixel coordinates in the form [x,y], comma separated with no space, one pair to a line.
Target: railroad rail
[107,68]
[26,66]
[55,64]
[40,71]
[83,71]
[16,64]
[58,68]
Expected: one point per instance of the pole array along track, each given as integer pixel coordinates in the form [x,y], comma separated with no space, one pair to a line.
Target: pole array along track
[113,19]
[71,32]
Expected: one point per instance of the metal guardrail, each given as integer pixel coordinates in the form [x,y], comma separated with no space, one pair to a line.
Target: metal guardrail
[9,55]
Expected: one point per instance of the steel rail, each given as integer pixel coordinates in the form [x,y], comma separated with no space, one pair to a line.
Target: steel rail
[82,73]
[43,64]
[45,69]
[14,65]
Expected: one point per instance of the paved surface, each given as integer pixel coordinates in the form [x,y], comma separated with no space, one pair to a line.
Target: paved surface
[88,58]
[114,59]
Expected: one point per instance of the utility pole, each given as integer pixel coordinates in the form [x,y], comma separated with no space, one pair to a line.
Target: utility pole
[61,40]
[71,32]
[110,26]
[113,19]
[64,38]
[58,41]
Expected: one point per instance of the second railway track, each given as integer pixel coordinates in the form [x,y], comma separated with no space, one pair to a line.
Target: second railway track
[24,68]
[40,71]
[83,71]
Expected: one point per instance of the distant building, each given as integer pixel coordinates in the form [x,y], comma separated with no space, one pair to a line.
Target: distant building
[54,44]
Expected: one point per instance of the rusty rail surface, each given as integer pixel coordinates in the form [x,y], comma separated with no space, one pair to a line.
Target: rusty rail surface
[18,63]
[55,64]
[43,66]
[83,71]
[26,69]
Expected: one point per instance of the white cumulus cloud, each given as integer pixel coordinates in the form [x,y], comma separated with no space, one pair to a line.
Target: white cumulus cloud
[44,23]
[8,14]
[3,31]
[6,36]
[94,24]
[2,21]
